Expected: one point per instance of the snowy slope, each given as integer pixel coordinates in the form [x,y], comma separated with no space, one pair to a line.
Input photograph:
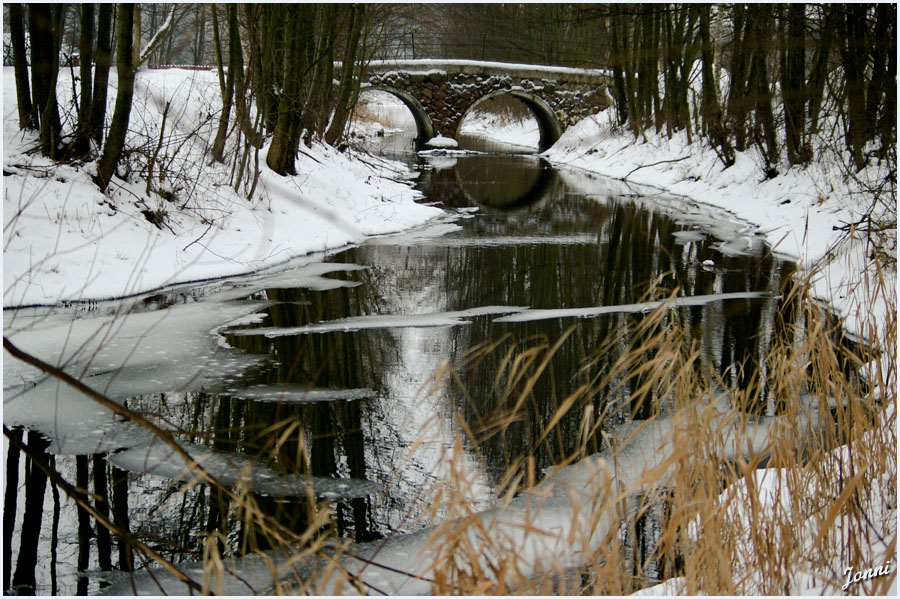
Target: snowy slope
[64,240]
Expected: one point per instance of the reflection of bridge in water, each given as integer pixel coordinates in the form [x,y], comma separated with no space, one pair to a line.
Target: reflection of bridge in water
[523,181]
[439,93]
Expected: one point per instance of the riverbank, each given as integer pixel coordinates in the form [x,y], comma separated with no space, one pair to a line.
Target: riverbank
[803,213]
[65,241]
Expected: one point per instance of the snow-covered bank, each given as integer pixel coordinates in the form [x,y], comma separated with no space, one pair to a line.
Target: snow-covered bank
[64,240]
[800,212]
[501,128]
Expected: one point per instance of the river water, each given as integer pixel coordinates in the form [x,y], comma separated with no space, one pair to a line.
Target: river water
[361,377]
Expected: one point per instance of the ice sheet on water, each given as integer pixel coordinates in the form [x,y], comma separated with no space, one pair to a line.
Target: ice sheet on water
[73,423]
[382,321]
[697,300]
[119,356]
[291,393]
[173,342]
[159,459]
[688,235]
[306,275]
[740,246]
[416,235]
[515,240]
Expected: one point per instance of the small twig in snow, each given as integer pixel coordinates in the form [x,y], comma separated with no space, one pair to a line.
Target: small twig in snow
[655,163]
[199,238]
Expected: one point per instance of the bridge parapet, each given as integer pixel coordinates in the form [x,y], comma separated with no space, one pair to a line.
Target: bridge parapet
[440,92]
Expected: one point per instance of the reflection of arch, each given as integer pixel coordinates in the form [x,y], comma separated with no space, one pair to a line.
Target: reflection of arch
[544,182]
[548,124]
[424,127]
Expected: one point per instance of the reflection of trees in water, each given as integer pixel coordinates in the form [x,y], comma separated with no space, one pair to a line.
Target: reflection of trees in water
[327,439]
[102,496]
[638,260]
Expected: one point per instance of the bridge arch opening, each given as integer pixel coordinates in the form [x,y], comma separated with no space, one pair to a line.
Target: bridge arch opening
[423,124]
[548,124]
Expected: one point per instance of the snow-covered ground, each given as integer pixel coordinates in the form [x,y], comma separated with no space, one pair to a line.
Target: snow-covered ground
[64,240]
[514,132]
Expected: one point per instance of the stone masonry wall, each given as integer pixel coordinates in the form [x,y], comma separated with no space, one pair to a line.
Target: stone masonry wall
[447,96]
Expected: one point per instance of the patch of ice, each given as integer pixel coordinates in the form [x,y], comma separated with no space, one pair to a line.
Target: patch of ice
[696,300]
[157,458]
[381,321]
[291,393]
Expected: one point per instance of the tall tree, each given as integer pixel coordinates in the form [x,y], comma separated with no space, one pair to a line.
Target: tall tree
[44,31]
[82,142]
[712,114]
[51,127]
[815,85]
[20,65]
[793,83]
[616,60]
[235,69]
[881,81]
[739,105]
[854,56]
[115,140]
[286,135]
[760,19]
[349,74]
[103,56]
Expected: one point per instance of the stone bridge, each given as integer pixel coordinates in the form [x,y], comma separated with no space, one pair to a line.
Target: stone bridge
[439,93]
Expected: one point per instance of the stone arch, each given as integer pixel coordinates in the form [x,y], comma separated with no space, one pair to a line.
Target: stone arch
[548,123]
[424,126]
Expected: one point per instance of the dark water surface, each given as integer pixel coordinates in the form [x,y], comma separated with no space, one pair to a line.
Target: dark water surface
[323,376]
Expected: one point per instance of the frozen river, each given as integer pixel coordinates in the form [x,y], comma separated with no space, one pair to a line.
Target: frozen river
[351,377]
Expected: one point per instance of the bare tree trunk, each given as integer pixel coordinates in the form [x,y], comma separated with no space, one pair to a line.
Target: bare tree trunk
[51,128]
[20,65]
[793,84]
[136,40]
[115,141]
[616,59]
[101,72]
[81,146]
[235,69]
[885,15]
[343,107]
[712,114]
[815,87]
[40,34]
[854,58]
[738,101]
[761,17]
[286,138]
[887,124]
[217,48]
